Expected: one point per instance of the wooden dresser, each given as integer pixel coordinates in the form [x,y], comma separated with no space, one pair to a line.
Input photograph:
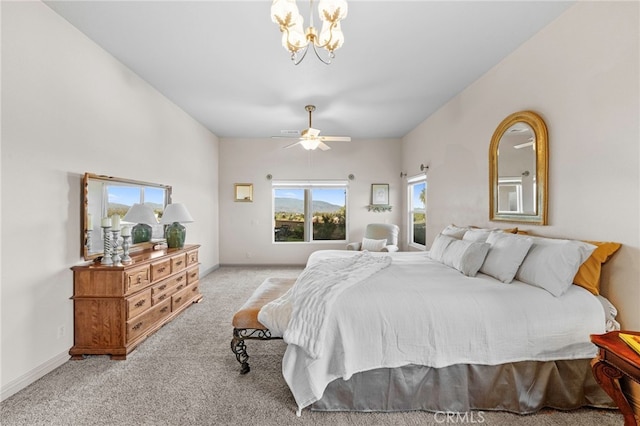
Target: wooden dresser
[115,308]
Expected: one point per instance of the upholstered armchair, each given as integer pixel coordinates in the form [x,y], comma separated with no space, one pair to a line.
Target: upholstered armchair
[378,237]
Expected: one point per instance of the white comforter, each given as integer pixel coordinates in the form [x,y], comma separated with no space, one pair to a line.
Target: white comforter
[417,311]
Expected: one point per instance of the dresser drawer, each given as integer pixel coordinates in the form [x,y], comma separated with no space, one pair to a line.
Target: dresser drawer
[159,270]
[192,275]
[178,263]
[183,296]
[138,325]
[138,304]
[166,288]
[192,257]
[137,279]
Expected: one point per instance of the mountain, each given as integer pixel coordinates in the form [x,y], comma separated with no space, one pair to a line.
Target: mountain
[120,208]
[294,205]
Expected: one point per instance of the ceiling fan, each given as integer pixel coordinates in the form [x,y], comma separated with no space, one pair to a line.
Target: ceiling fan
[310,138]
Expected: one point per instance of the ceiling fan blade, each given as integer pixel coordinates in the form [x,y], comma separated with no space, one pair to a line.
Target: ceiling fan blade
[323,146]
[285,137]
[292,145]
[336,138]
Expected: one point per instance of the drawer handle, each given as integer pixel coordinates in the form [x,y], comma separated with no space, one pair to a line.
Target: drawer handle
[179,262]
[139,279]
[165,309]
[193,275]
[180,278]
[180,287]
[178,299]
[194,289]
[161,269]
[137,326]
[162,287]
[164,296]
[140,303]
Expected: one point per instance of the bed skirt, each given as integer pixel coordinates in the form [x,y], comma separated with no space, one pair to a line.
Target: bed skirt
[521,387]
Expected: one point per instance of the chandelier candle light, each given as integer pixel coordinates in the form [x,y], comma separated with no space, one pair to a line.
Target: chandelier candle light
[296,40]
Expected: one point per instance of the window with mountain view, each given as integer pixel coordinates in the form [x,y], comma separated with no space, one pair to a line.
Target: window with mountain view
[417,196]
[309,211]
[120,198]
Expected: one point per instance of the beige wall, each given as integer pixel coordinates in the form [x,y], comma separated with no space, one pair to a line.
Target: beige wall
[68,108]
[246,228]
[581,74]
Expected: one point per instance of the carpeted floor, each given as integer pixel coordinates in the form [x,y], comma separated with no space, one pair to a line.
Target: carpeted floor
[185,374]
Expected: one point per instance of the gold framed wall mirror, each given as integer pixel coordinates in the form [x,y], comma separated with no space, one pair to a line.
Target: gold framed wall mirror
[105,196]
[518,170]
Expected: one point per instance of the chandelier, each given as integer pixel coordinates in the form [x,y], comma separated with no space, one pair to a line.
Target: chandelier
[297,40]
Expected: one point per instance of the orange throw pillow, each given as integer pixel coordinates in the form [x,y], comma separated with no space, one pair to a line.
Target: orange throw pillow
[588,275]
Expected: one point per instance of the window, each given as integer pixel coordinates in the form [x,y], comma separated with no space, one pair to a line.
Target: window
[309,211]
[120,197]
[417,197]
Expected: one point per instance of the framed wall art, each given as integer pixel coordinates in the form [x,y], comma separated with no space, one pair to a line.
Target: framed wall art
[243,192]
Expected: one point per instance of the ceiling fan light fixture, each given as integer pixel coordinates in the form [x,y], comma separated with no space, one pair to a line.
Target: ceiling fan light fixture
[296,40]
[310,144]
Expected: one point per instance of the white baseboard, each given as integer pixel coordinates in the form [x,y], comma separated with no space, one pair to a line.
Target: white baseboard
[26,379]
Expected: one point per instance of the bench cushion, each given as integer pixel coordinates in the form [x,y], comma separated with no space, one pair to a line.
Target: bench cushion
[270,289]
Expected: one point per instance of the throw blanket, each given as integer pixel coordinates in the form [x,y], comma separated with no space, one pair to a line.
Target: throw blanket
[299,314]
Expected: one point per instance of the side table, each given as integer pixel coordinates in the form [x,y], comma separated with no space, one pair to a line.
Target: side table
[614,360]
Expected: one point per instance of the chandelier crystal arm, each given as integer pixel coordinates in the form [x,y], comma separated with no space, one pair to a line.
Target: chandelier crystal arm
[285,14]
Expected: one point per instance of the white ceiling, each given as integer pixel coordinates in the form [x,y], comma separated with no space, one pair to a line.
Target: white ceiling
[222,61]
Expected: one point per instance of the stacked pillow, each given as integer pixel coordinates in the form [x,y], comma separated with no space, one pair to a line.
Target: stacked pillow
[465,256]
[551,264]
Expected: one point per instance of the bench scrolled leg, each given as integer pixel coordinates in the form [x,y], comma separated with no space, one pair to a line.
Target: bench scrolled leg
[239,348]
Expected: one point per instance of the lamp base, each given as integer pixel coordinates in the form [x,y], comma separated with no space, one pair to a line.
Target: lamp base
[141,233]
[175,235]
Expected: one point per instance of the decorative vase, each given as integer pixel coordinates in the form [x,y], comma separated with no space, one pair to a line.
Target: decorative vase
[175,235]
[141,233]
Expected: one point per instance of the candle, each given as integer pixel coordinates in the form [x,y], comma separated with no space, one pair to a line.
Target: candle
[115,222]
[126,231]
[106,222]
[89,222]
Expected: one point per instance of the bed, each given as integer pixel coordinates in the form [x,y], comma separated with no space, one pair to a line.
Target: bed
[424,331]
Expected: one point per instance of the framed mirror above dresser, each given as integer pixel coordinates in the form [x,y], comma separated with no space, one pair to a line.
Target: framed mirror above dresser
[518,170]
[105,196]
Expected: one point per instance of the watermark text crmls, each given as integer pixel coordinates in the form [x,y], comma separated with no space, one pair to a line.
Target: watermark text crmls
[452,417]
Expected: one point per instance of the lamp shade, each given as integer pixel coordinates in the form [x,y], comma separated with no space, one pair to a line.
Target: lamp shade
[140,213]
[175,212]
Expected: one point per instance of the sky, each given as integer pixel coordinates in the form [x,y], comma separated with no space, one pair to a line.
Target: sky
[129,195]
[333,196]
[336,196]
[416,194]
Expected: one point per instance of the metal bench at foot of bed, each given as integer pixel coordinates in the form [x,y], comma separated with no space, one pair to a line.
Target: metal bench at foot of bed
[245,321]
[239,348]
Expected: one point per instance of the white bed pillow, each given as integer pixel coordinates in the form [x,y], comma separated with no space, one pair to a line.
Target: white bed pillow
[373,245]
[465,256]
[439,246]
[551,263]
[505,255]
[478,235]
[454,231]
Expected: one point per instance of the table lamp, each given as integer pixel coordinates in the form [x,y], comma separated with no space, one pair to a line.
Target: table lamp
[142,215]
[175,233]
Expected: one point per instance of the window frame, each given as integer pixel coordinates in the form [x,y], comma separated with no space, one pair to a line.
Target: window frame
[411,183]
[308,186]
